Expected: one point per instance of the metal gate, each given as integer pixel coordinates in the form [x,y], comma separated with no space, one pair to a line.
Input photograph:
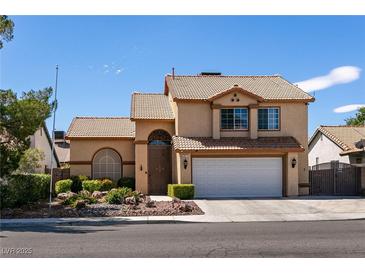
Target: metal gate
[334,179]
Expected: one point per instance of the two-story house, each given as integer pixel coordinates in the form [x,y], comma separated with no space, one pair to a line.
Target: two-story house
[230,136]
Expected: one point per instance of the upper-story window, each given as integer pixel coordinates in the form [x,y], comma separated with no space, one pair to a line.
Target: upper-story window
[234,118]
[268,118]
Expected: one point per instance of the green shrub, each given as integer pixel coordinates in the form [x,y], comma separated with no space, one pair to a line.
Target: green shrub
[63,186]
[127,182]
[77,182]
[181,191]
[117,196]
[107,184]
[72,201]
[98,185]
[21,189]
[91,185]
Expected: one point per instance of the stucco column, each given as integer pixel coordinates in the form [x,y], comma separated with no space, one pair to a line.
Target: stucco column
[183,173]
[253,122]
[292,174]
[141,168]
[216,123]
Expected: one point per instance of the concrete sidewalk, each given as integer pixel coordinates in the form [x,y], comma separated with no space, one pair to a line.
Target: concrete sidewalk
[244,210]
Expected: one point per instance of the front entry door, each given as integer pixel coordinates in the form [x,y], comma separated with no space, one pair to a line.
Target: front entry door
[159,169]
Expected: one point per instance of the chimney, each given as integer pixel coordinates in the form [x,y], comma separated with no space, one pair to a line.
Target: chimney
[208,73]
[173,73]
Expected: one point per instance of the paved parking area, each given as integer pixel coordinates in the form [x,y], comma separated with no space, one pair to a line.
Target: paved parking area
[285,209]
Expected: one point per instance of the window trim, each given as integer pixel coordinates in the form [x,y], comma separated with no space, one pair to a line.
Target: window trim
[276,129]
[233,129]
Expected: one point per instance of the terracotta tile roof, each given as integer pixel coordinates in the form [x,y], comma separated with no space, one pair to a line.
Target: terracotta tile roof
[204,87]
[101,127]
[235,144]
[151,106]
[344,136]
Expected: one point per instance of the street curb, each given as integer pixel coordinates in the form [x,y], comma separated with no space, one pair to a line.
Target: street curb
[91,221]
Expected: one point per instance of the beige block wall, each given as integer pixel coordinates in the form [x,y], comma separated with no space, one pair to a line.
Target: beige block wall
[84,150]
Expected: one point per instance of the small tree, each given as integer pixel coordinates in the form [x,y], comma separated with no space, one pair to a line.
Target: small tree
[359,118]
[6,29]
[30,161]
[19,119]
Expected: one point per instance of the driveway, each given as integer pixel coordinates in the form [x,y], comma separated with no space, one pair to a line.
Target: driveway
[285,209]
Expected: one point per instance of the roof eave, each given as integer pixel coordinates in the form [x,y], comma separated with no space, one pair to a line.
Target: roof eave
[134,119]
[249,150]
[99,137]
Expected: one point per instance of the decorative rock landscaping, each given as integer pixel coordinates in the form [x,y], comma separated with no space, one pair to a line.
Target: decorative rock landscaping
[82,209]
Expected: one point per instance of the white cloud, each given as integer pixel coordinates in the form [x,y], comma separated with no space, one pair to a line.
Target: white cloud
[348,108]
[340,75]
[118,71]
[106,66]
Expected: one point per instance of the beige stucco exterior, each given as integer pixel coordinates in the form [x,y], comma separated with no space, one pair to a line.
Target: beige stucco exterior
[202,119]
[143,129]
[82,152]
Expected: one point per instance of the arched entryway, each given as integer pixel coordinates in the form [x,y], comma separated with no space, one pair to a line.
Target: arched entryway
[107,163]
[159,162]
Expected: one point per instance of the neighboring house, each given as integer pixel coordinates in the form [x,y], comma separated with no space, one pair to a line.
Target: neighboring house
[42,141]
[62,148]
[231,136]
[344,144]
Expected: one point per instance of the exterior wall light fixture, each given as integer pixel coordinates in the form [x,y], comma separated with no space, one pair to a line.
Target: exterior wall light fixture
[185,163]
[293,162]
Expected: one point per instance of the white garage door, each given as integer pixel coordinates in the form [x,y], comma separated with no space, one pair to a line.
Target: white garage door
[237,177]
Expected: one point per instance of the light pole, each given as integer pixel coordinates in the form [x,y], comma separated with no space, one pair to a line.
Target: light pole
[53,137]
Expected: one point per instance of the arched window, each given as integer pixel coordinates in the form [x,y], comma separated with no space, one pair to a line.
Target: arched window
[107,163]
[159,137]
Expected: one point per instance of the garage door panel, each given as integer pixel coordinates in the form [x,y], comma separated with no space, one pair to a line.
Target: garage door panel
[237,177]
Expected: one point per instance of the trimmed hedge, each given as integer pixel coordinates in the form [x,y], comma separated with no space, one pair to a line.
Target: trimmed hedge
[98,185]
[127,182]
[181,191]
[63,186]
[22,189]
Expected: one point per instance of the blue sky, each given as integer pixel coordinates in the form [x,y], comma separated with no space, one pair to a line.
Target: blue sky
[103,59]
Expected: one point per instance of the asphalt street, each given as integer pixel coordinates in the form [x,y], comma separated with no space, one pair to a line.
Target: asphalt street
[255,239]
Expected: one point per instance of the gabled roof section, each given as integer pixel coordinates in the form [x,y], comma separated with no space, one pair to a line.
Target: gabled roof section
[343,136]
[203,87]
[238,89]
[101,127]
[151,106]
